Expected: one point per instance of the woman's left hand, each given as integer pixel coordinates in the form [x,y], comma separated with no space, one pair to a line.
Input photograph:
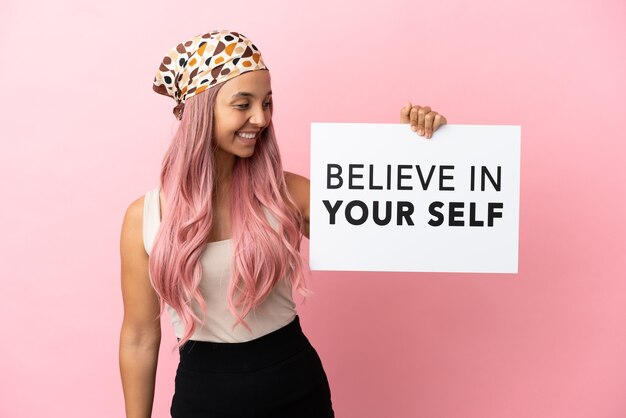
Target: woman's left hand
[423,119]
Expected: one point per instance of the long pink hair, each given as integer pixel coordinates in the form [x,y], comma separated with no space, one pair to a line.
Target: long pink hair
[261,255]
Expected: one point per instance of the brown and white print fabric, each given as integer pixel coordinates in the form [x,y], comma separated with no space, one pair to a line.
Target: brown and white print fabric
[204,61]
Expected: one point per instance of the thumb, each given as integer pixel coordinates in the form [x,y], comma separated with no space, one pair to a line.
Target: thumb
[405,113]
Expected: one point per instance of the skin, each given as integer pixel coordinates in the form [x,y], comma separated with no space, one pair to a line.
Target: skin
[242,104]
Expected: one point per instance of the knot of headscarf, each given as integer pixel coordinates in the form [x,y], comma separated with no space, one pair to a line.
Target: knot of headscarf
[204,61]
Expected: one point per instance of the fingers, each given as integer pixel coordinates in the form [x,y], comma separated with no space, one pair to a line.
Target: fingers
[413,117]
[432,122]
[405,113]
[439,120]
[429,120]
[423,120]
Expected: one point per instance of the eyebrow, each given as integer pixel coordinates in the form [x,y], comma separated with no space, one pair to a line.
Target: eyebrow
[247,94]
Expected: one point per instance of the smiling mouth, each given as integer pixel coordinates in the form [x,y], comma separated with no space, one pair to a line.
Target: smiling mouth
[247,136]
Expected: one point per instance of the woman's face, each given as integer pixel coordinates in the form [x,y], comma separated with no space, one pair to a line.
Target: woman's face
[243,108]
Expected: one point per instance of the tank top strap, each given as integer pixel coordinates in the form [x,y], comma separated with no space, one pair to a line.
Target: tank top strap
[151,218]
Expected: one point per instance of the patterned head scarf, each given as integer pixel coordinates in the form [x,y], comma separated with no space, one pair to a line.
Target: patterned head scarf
[204,61]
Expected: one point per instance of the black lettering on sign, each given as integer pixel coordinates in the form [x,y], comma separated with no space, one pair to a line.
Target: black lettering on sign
[403,176]
[492,214]
[426,182]
[376,213]
[336,175]
[352,175]
[456,214]
[332,209]
[372,186]
[484,173]
[405,210]
[473,221]
[443,176]
[439,218]
[364,212]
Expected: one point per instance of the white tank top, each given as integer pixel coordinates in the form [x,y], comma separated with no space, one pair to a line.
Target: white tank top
[276,311]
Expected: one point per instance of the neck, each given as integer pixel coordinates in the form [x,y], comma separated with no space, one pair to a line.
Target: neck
[224,164]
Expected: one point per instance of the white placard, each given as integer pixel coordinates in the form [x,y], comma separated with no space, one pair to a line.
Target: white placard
[453,199]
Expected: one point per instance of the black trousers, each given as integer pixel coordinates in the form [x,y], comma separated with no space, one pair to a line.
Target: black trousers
[277,375]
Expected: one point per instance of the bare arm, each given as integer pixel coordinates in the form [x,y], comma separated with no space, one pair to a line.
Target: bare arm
[299,188]
[140,335]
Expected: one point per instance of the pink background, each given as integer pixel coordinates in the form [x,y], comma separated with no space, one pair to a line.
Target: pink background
[83,135]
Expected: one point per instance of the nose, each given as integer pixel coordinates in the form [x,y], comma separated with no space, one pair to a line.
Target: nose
[259,116]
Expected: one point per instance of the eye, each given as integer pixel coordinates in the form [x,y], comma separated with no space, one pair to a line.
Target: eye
[267,104]
[242,106]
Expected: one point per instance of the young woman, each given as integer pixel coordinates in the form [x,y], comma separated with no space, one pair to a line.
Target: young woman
[216,245]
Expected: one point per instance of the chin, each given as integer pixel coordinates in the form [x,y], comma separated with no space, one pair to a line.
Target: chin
[245,154]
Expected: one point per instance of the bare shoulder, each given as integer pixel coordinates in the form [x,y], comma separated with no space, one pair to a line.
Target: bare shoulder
[299,188]
[135,208]
[296,180]
[132,227]
[133,254]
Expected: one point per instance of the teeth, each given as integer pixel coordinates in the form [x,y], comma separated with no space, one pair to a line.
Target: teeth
[245,135]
